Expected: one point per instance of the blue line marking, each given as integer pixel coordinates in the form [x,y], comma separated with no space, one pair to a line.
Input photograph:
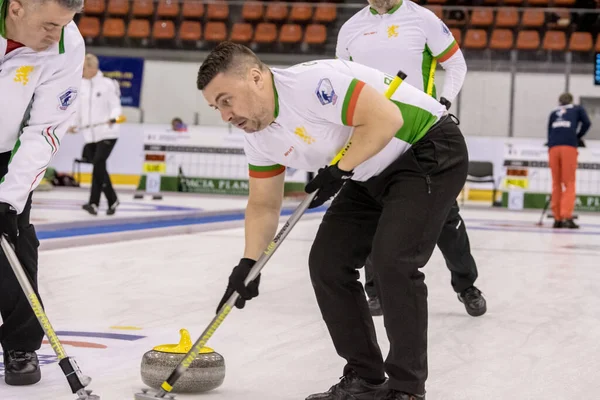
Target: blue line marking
[117,336]
[136,226]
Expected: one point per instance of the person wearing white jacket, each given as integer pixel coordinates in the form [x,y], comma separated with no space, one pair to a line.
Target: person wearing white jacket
[100,102]
[41,62]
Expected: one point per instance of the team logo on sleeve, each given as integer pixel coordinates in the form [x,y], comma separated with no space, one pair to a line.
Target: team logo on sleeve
[445,29]
[325,92]
[66,98]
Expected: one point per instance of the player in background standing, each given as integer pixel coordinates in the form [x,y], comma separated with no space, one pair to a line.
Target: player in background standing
[564,136]
[41,56]
[398,34]
[100,102]
[406,164]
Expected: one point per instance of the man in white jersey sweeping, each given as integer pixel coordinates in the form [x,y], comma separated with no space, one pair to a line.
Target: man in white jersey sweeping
[397,181]
[399,34]
[41,63]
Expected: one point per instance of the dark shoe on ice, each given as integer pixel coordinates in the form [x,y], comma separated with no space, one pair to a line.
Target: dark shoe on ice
[473,301]
[352,387]
[21,368]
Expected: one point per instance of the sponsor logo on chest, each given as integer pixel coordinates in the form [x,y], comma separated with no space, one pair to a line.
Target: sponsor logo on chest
[302,134]
[22,74]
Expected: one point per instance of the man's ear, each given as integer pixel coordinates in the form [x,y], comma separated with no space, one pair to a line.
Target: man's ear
[16,8]
[257,77]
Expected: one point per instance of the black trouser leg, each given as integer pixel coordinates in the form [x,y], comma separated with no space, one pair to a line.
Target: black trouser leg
[20,329]
[454,244]
[340,248]
[100,178]
[415,194]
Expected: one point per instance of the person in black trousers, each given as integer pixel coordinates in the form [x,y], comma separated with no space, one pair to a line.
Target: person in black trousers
[20,333]
[101,182]
[42,65]
[455,247]
[99,106]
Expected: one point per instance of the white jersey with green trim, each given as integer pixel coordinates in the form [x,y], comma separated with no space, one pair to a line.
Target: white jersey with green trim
[314,112]
[407,37]
[38,91]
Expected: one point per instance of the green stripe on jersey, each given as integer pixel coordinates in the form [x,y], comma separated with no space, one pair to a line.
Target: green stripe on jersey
[263,168]
[61,42]
[425,66]
[443,53]
[347,101]
[3,9]
[417,122]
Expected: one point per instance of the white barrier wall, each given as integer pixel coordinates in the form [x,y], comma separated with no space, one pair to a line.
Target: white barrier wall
[128,155]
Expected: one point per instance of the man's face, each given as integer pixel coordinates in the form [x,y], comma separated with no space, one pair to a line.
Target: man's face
[88,71]
[39,26]
[240,100]
[382,4]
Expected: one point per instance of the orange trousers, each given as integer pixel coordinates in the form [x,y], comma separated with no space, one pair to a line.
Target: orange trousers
[563,164]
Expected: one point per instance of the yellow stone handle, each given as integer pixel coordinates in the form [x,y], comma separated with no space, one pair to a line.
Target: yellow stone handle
[183,347]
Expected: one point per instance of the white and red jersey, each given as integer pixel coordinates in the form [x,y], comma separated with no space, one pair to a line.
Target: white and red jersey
[314,110]
[407,38]
[99,102]
[37,95]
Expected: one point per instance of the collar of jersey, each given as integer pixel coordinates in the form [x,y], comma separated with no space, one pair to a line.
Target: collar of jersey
[374,12]
[276,112]
[4,6]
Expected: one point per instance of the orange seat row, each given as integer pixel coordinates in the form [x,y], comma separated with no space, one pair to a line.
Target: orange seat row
[251,10]
[521,3]
[214,31]
[506,17]
[504,39]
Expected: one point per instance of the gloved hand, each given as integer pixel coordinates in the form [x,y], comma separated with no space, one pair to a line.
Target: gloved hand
[328,182]
[580,143]
[8,222]
[445,102]
[236,284]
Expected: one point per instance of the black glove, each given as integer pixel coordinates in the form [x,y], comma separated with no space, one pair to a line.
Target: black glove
[236,284]
[329,181]
[580,143]
[8,222]
[445,102]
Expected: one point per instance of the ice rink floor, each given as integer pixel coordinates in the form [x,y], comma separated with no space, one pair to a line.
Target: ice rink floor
[113,302]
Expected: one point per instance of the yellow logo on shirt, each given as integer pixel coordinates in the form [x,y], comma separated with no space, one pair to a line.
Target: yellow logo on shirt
[392,31]
[301,132]
[22,74]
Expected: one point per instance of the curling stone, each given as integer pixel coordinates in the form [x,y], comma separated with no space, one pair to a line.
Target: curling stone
[207,371]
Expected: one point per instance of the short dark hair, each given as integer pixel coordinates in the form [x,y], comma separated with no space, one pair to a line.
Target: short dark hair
[225,56]
[565,98]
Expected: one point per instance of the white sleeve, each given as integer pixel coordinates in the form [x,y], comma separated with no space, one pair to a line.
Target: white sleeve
[341,47]
[456,70]
[258,165]
[440,40]
[115,99]
[52,112]
[329,95]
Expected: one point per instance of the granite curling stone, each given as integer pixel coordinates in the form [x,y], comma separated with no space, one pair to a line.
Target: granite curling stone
[207,371]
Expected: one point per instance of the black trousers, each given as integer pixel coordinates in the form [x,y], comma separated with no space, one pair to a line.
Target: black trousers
[396,217]
[456,249]
[100,179]
[20,329]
